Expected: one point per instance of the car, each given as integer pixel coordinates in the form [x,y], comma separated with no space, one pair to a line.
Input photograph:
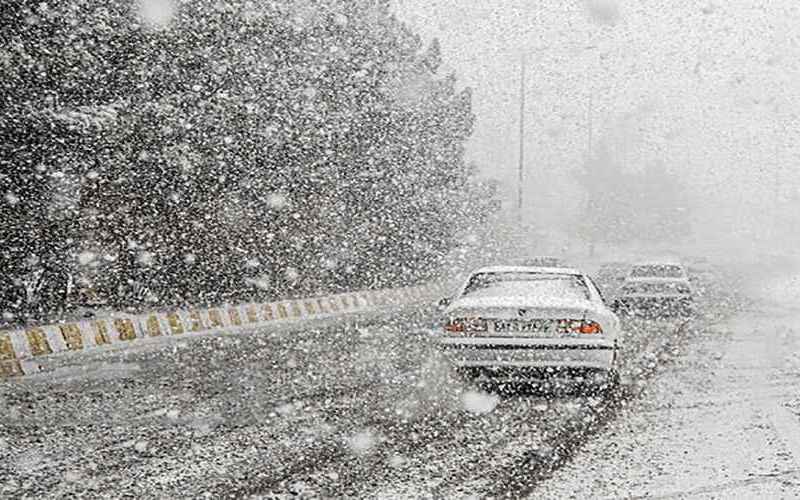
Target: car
[658,270]
[655,297]
[531,325]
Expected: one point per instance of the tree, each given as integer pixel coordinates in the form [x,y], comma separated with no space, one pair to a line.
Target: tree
[235,150]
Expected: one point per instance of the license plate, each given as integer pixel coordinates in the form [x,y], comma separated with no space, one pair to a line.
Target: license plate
[533,326]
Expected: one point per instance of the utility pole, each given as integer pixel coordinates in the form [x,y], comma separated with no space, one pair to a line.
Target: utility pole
[521,137]
[590,202]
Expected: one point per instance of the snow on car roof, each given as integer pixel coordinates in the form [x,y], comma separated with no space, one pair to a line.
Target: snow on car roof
[528,269]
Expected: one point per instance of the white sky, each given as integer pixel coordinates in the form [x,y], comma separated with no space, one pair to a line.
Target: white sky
[690,83]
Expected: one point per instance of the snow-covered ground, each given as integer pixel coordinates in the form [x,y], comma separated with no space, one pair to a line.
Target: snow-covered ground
[357,408]
[721,421]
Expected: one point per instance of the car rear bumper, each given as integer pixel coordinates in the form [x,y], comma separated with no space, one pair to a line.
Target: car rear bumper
[561,354]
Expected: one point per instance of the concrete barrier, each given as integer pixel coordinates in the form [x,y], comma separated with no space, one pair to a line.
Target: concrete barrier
[18,348]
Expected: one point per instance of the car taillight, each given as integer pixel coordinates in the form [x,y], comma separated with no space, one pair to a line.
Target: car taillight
[454,326]
[589,327]
[580,326]
[460,325]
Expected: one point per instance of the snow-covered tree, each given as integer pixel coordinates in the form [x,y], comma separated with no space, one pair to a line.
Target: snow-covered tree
[228,150]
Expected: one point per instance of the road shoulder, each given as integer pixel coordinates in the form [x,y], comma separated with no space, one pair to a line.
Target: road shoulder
[713,423]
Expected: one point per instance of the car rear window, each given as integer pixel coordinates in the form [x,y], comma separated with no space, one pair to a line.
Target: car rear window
[655,288]
[657,271]
[527,284]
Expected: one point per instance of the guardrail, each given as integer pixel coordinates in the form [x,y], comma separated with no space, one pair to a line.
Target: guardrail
[18,347]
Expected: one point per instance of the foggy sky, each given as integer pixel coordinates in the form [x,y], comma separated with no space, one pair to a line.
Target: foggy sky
[706,88]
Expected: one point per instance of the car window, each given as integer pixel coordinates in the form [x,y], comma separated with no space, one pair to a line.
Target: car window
[527,284]
[657,271]
[597,288]
[655,288]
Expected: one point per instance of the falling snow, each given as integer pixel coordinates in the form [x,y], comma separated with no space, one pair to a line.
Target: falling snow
[399,249]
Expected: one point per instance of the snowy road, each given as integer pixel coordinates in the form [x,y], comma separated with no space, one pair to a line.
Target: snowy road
[722,421]
[356,408]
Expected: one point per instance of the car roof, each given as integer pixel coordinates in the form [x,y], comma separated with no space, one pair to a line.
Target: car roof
[527,269]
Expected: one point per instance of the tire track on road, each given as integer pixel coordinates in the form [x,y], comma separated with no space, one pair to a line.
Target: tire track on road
[303,457]
[120,462]
[519,479]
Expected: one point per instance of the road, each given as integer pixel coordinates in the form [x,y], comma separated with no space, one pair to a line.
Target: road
[361,407]
[722,420]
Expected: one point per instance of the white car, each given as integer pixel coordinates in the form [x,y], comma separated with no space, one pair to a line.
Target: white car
[656,289]
[655,297]
[658,270]
[530,324]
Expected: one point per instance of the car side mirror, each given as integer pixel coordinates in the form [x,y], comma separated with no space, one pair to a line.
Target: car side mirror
[444,302]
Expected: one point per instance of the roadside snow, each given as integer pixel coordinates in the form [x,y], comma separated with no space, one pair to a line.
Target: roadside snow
[714,424]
